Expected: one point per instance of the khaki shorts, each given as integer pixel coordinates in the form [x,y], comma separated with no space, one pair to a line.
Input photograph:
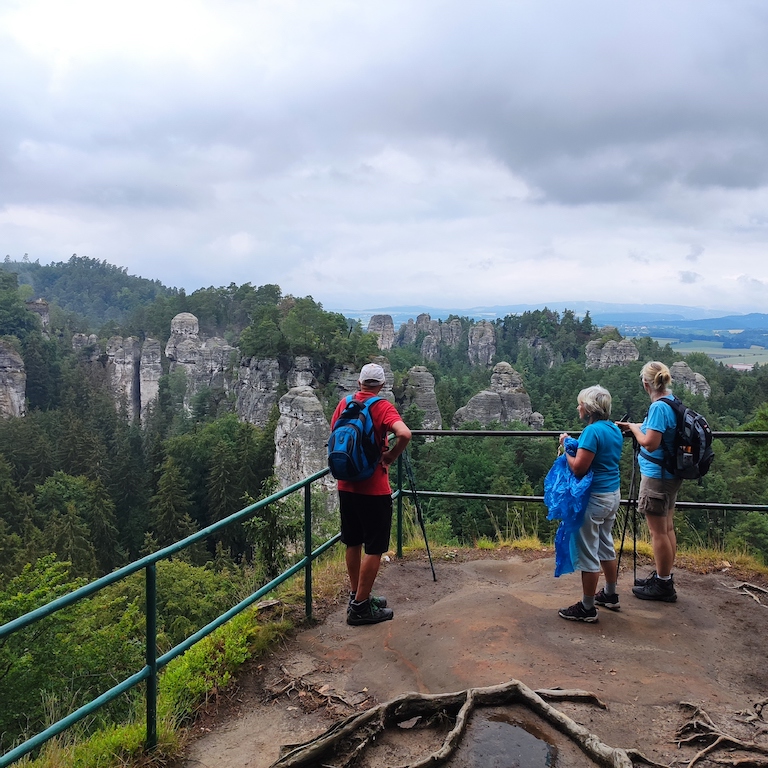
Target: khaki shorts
[657,497]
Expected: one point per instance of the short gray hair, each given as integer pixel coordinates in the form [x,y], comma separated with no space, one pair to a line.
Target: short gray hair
[596,401]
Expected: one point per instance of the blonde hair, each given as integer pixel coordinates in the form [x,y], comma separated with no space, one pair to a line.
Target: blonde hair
[656,375]
[596,402]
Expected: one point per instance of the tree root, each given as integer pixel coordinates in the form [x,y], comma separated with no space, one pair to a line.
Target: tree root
[750,589]
[359,731]
[701,729]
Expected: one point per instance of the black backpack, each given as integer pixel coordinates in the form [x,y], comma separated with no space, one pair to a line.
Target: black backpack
[353,451]
[692,454]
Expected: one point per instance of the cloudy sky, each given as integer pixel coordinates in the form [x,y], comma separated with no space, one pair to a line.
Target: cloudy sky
[370,153]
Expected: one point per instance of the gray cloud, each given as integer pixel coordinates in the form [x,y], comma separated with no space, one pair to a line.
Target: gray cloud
[276,145]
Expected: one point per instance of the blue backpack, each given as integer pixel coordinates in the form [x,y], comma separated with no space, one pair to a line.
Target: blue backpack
[353,451]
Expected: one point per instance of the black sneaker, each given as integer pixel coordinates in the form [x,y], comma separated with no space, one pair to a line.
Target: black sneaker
[656,589]
[643,582]
[607,601]
[577,612]
[367,613]
[379,601]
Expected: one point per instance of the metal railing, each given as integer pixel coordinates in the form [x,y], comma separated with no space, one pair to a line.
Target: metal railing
[401,492]
[154,663]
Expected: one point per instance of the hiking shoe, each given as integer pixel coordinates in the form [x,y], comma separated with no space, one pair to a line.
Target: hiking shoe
[656,589]
[577,612]
[607,601]
[367,613]
[643,582]
[379,601]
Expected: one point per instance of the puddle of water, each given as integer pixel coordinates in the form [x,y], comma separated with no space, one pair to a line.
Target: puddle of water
[500,742]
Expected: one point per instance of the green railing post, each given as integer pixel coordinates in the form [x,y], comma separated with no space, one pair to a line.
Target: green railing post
[400,506]
[308,550]
[151,655]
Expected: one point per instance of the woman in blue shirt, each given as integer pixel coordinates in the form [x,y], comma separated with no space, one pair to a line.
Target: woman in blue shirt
[658,488]
[599,450]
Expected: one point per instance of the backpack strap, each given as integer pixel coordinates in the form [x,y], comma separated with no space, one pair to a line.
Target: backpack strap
[669,457]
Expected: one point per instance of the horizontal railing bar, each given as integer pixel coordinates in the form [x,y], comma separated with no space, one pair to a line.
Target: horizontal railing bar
[540,500]
[131,568]
[74,717]
[242,605]
[546,433]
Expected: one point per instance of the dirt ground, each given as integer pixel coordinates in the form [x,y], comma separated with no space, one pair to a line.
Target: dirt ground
[487,621]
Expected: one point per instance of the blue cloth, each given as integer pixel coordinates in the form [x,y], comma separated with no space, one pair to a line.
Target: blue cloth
[661,417]
[603,438]
[566,498]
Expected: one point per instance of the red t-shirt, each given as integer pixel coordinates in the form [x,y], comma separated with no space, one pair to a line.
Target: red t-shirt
[383,415]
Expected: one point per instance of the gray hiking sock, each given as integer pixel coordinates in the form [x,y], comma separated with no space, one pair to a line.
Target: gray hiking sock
[610,589]
[588,601]
[663,578]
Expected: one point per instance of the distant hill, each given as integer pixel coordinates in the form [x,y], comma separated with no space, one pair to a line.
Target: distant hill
[602,313]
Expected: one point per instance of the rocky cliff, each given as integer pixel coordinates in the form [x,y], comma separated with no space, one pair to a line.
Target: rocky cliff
[206,362]
[384,328]
[506,401]
[13,382]
[301,437]
[258,382]
[344,378]
[607,354]
[482,344]
[419,386]
[123,357]
[695,383]
[150,371]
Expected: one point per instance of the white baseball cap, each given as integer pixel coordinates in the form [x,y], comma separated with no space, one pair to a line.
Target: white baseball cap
[372,374]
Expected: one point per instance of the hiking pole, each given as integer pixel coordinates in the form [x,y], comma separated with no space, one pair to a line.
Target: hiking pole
[631,505]
[417,504]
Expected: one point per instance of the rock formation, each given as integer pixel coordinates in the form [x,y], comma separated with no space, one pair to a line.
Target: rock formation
[446,333]
[206,363]
[695,383]
[40,307]
[13,382]
[87,345]
[384,328]
[430,348]
[450,332]
[420,390]
[482,343]
[300,438]
[150,371]
[506,401]
[345,379]
[258,382]
[301,373]
[610,353]
[123,356]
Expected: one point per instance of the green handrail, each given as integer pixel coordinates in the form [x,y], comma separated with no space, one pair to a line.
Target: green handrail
[153,662]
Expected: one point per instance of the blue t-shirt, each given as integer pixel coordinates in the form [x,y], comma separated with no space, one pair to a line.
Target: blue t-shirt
[603,438]
[661,417]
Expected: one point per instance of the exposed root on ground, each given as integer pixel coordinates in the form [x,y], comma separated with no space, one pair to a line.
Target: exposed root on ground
[309,696]
[348,739]
[750,590]
[700,729]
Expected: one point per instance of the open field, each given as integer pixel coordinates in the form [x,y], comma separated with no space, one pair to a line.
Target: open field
[715,350]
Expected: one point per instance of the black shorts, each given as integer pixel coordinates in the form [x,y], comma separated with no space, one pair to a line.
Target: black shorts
[366,520]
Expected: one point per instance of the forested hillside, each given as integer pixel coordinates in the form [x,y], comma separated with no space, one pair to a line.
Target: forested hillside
[85,489]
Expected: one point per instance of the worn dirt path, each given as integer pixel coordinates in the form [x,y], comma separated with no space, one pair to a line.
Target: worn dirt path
[487,621]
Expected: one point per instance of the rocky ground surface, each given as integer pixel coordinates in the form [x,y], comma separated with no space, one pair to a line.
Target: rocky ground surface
[487,621]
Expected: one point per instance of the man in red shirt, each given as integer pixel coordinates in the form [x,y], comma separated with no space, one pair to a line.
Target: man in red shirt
[366,506]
